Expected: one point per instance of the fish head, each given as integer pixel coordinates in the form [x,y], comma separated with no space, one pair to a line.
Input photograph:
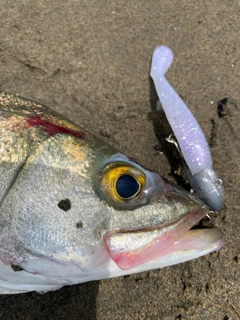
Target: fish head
[74,209]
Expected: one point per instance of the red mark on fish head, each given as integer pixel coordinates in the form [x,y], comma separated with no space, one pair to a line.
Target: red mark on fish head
[52,128]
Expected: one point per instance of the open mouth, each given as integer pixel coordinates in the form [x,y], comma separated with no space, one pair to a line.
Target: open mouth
[129,249]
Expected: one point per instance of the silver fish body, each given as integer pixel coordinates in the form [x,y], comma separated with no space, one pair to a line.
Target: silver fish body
[74,209]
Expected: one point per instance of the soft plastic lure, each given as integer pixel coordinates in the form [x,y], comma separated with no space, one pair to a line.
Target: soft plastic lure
[192,142]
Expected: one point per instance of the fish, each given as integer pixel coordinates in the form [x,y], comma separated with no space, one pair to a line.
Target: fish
[74,209]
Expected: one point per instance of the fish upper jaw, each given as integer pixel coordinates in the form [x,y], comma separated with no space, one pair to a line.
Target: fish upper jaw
[133,248]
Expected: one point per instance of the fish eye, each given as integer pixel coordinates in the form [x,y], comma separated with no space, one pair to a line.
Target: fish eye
[121,183]
[126,186]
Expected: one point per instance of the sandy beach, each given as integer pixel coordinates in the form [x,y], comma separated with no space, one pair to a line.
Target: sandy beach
[90,61]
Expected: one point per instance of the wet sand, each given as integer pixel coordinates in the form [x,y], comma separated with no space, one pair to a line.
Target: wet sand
[90,61]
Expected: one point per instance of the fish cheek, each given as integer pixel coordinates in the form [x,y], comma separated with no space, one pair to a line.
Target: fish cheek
[65,205]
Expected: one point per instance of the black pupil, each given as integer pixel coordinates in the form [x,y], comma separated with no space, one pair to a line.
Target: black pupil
[126,186]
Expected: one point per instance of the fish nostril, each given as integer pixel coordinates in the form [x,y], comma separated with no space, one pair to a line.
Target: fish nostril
[64,204]
[79,224]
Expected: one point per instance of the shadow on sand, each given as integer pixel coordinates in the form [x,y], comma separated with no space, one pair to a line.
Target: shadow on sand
[73,302]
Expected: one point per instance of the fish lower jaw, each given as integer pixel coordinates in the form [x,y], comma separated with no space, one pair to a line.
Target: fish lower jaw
[174,243]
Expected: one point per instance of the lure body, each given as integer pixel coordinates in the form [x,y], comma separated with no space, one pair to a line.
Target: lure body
[197,161]
[74,209]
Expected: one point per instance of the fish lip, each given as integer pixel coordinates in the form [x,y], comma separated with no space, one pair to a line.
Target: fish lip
[131,248]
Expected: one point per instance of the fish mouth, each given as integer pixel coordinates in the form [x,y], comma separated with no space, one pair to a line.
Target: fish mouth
[132,248]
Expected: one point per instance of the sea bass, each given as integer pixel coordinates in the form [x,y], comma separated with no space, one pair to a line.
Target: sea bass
[74,209]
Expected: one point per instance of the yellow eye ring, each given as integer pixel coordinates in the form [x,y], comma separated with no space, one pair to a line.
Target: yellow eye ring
[121,182]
